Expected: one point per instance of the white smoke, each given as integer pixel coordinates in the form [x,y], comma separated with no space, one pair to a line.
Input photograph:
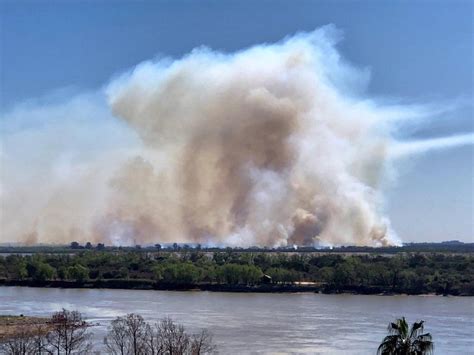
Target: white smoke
[272,145]
[402,149]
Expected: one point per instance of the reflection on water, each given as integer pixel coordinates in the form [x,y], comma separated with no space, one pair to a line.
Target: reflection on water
[264,323]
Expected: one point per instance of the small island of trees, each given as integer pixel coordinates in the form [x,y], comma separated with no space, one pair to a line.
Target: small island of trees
[231,270]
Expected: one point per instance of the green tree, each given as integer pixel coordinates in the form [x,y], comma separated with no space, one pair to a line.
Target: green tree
[16,266]
[78,272]
[40,271]
[343,275]
[234,274]
[21,271]
[177,273]
[123,273]
[404,341]
[62,273]
[281,275]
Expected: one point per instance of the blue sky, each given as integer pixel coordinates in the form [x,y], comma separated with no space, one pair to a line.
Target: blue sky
[416,51]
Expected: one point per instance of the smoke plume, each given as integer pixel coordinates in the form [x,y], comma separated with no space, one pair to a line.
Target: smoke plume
[272,145]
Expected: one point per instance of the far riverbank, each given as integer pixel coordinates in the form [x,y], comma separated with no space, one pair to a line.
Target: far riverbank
[262,288]
[411,274]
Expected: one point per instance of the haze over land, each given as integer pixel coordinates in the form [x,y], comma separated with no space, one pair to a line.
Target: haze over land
[272,145]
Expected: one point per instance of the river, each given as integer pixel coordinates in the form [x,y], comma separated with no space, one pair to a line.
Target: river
[250,323]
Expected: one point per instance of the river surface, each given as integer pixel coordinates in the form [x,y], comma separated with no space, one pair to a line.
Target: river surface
[252,323]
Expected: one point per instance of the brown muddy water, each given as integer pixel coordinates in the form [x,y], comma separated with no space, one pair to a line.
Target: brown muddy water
[247,323]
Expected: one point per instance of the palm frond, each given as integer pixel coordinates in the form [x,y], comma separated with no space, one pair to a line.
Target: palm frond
[388,345]
[405,340]
[423,344]
[416,329]
[426,336]
[403,326]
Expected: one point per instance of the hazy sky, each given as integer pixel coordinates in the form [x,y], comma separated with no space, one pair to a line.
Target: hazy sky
[416,51]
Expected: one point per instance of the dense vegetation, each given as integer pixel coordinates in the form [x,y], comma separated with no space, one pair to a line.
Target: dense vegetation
[412,273]
[452,246]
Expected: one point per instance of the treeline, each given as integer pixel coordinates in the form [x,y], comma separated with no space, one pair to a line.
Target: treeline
[403,273]
[66,332]
[453,246]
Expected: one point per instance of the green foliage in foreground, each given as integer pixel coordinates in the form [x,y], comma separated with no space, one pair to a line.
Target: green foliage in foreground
[406,341]
[403,273]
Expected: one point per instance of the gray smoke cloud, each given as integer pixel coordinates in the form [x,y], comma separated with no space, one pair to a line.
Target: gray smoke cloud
[273,145]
